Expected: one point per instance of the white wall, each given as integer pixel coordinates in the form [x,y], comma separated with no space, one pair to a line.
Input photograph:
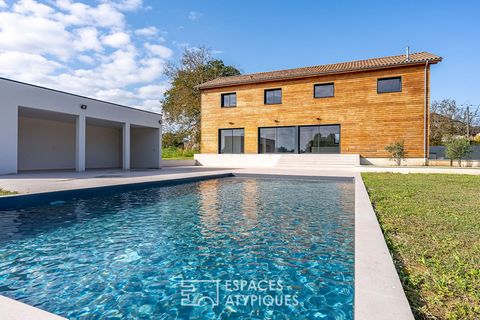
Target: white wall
[103,147]
[16,94]
[145,148]
[45,144]
[237,160]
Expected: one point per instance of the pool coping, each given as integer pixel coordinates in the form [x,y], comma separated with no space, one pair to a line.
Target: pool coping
[378,291]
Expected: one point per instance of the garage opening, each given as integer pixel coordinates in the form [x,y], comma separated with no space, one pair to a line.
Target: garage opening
[103,144]
[145,145]
[46,140]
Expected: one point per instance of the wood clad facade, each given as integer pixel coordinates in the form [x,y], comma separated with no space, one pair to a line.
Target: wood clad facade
[368,120]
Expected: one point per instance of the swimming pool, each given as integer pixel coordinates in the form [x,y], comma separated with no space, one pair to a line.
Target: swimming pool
[233,248]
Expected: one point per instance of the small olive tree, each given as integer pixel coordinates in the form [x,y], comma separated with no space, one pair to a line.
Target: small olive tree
[396,151]
[457,148]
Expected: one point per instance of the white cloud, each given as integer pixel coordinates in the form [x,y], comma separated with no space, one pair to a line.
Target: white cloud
[33,34]
[33,8]
[159,50]
[147,32]
[87,39]
[11,62]
[75,13]
[153,91]
[127,5]
[83,49]
[117,40]
[193,15]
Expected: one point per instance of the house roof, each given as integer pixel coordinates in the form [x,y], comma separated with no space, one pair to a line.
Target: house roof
[342,67]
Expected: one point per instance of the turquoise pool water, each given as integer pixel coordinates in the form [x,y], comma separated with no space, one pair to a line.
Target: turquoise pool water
[231,248]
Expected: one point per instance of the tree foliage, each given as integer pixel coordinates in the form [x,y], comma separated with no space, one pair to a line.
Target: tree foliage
[447,118]
[173,139]
[181,103]
[396,151]
[457,147]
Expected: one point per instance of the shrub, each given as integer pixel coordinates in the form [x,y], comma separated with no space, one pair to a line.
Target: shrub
[177,153]
[457,147]
[396,151]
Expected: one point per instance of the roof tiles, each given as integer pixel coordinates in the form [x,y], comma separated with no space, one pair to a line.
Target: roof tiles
[351,66]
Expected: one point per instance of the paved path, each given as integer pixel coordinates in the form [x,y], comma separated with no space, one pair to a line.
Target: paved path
[35,182]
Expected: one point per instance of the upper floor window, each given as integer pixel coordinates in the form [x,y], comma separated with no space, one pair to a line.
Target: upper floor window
[323,90]
[273,96]
[389,85]
[229,100]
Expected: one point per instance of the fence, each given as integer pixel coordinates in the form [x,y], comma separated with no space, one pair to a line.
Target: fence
[438,152]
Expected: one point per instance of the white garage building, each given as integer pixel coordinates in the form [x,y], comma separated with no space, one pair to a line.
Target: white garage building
[45,129]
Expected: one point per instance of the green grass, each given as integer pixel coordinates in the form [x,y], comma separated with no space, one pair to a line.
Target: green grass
[431,223]
[6,192]
[172,153]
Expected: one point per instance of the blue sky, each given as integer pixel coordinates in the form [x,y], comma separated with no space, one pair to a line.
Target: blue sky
[116,50]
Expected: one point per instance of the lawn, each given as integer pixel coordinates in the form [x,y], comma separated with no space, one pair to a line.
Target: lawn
[431,223]
[172,153]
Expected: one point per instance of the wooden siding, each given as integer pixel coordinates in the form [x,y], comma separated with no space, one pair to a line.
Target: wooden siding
[369,121]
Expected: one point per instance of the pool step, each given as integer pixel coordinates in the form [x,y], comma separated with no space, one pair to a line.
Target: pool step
[317,161]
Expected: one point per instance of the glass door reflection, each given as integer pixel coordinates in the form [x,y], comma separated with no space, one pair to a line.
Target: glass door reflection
[319,139]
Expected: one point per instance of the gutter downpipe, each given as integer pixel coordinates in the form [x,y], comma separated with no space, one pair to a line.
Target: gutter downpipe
[425,118]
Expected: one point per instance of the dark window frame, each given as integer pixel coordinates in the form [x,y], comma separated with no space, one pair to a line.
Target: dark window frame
[269,90]
[324,84]
[220,139]
[320,125]
[390,78]
[222,104]
[275,127]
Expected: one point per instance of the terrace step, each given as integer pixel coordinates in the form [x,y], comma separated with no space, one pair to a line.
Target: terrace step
[317,161]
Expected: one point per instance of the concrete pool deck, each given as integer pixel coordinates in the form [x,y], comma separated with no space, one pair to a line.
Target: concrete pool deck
[378,291]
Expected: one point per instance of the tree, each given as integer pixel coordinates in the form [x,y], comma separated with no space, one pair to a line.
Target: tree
[449,119]
[181,103]
[173,139]
[396,151]
[457,147]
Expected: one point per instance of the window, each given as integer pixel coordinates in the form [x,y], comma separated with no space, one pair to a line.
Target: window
[231,140]
[319,139]
[277,140]
[389,85]
[273,96]
[323,90]
[229,100]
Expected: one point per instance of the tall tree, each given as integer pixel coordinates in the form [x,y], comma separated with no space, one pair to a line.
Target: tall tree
[181,103]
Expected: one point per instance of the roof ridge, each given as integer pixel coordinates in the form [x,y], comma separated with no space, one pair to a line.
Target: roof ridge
[345,66]
[323,65]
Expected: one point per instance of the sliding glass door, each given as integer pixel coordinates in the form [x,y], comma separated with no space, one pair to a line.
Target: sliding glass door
[319,139]
[277,140]
[231,140]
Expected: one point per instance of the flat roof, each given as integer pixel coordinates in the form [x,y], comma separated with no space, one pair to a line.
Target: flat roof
[77,95]
[335,68]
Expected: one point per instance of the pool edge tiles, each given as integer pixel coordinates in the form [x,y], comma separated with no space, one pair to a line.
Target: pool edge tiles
[378,291]
[14,310]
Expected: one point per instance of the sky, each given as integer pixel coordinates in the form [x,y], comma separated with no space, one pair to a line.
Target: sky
[117,50]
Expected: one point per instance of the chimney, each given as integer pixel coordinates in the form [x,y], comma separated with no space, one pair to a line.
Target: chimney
[408,54]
